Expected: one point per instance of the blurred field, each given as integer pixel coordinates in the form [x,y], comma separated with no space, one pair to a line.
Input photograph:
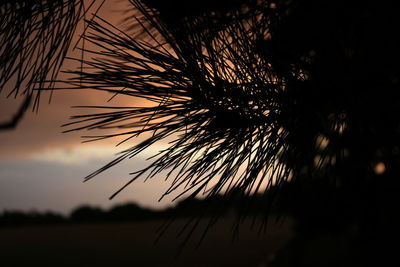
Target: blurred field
[133,244]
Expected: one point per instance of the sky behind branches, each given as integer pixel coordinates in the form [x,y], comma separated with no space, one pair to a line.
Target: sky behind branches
[42,168]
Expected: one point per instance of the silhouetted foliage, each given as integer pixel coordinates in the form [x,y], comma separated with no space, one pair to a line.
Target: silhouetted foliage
[264,93]
[256,93]
[188,208]
[87,214]
[130,212]
[302,95]
[205,84]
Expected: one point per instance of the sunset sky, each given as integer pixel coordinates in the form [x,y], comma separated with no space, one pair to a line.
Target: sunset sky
[42,168]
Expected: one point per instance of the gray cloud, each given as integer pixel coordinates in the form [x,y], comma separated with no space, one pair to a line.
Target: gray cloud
[34,184]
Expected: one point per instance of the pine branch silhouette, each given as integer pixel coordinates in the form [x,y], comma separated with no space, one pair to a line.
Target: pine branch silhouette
[254,93]
[206,86]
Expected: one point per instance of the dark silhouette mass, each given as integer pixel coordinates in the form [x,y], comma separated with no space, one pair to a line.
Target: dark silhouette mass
[300,97]
[300,94]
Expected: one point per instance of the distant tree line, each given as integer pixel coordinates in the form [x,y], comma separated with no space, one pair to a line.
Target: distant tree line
[212,207]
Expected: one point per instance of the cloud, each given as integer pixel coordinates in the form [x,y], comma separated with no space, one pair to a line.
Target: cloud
[34,184]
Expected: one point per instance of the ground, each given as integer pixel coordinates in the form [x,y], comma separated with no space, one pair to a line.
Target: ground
[132,244]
